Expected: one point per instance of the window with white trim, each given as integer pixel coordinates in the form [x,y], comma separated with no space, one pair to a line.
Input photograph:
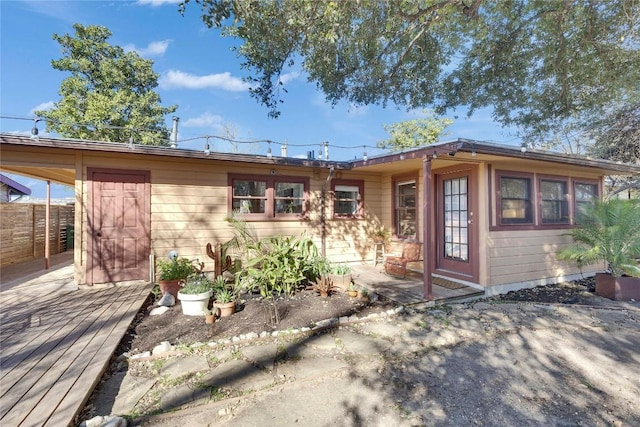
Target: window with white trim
[258,196]
[348,198]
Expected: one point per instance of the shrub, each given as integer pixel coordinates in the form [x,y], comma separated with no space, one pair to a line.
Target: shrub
[177,268]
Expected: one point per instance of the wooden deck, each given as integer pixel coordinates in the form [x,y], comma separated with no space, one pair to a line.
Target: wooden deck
[409,290]
[56,342]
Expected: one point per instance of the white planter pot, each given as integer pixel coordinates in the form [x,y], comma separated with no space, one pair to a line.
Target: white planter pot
[194,304]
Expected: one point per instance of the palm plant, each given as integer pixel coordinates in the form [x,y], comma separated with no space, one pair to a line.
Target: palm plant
[608,232]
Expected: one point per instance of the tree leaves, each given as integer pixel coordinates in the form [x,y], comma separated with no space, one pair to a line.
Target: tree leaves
[109,95]
[537,63]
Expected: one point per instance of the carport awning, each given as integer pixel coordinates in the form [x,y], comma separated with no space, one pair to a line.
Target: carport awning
[59,176]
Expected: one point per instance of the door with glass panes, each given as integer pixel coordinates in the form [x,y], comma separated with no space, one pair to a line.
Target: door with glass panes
[456,212]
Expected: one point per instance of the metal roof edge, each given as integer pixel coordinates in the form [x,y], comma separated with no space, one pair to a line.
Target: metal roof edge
[123,148]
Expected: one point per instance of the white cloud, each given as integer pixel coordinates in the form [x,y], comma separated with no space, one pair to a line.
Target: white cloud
[44,106]
[287,77]
[156,3]
[153,49]
[174,79]
[204,120]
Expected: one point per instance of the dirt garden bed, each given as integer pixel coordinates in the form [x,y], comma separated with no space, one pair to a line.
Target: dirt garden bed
[256,315]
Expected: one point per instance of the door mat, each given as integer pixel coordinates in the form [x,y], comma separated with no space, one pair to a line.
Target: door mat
[447,283]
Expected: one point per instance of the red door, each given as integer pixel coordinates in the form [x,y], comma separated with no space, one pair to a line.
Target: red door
[119,219]
[457,233]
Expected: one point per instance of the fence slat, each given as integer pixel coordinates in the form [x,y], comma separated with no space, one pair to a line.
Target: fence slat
[23,231]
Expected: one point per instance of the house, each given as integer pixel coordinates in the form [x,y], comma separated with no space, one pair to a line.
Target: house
[11,191]
[489,216]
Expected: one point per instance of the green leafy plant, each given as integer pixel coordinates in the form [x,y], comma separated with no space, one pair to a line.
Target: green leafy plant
[275,265]
[382,234]
[323,285]
[197,285]
[177,268]
[608,232]
[218,284]
[340,269]
[225,295]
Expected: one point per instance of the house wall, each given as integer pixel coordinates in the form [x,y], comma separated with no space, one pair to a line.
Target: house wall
[526,258]
[189,204]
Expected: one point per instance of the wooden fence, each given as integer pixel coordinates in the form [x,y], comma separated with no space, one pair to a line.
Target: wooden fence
[22,231]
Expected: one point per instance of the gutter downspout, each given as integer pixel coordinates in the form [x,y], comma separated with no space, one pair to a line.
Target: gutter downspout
[323,208]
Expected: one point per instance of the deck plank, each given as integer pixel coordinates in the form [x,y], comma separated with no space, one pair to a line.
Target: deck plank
[41,369]
[79,380]
[41,326]
[51,373]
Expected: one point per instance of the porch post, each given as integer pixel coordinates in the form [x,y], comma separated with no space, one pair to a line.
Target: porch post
[47,228]
[427,233]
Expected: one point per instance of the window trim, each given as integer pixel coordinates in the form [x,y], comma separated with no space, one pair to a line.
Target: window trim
[271,180]
[498,202]
[353,182]
[495,186]
[567,199]
[395,180]
[587,181]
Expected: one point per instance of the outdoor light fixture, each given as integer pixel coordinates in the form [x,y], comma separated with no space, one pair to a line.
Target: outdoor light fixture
[364,154]
[473,150]
[173,254]
[435,154]
[207,148]
[269,155]
[34,129]
[523,149]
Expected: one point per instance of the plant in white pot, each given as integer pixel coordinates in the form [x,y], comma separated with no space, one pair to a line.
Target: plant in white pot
[194,295]
[609,232]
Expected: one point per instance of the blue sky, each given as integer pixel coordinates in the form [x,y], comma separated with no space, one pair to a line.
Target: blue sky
[201,74]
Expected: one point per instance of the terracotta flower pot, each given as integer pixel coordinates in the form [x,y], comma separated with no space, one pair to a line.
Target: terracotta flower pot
[341,281]
[171,286]
[226,308]
[209,319]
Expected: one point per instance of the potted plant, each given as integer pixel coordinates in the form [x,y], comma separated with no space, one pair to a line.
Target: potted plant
[609,232]
[340,275]
[172,272]
[353,292]
[225,297]
[194,295]
[210,316]
[381,235]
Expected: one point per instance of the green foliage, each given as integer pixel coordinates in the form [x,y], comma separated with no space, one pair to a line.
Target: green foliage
[414,133]
[282,264]
[536,63]
[197,284]
[322,285]
[340,269]
[279,264]
[177,268]
[109,95]
[617,135]
[225,295]
[608,232]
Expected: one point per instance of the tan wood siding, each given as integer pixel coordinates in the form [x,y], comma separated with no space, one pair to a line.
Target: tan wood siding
[520,256]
